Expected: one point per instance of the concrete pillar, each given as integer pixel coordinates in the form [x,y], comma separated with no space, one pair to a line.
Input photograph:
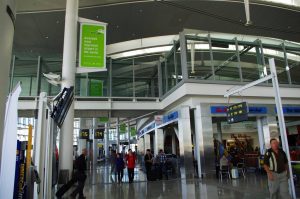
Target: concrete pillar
[118,135]
[158,141]
[204,140]
[261,139]
[270,129]
[141,147]
[6,43]
[106,140]
[68,76]
[128,134]
[185,143]
[147,142]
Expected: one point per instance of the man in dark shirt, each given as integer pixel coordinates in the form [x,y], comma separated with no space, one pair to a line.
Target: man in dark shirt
[148,163]
[276,166]
[80,168]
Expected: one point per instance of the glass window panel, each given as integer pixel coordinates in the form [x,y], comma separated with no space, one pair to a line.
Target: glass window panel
[122,81]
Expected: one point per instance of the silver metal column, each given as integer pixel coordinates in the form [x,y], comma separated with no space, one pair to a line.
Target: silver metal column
[158,140]
[106,137]
[204,135]
[95,152]
[160,82]
[147,143]
[185,143]
[118,135]
[40,142]
[128,134]
[183,55]
[82,142]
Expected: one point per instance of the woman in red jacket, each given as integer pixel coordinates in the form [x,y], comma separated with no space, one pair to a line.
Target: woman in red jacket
[130,159]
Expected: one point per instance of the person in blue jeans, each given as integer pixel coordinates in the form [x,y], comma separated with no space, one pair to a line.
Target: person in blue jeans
[120,165]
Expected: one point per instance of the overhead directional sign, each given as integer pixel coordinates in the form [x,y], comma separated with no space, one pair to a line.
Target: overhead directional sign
[237,113]
[84,134]
[99,134]
[92,46]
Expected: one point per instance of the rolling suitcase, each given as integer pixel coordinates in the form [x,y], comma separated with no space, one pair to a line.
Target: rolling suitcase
[61,191]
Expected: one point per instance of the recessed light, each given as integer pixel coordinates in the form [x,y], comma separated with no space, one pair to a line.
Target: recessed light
[141,10]
[57,21]
[97,17]
[46,37]
[117,26]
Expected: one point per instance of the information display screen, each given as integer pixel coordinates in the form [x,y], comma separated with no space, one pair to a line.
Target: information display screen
[237,113]
[84,134]
[99,134]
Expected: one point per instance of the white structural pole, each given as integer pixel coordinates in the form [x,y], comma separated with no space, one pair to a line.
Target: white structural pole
[40,142]
[118,135]
[281,122]
[128,134]
[6,41]
[106,138]
[68,79]
[95,148]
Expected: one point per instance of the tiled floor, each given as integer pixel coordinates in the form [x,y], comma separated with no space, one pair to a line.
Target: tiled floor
[101,184]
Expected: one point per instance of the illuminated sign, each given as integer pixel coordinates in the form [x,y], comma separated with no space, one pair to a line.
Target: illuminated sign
[237,113]
[84,134]
[99,134]
[252,110]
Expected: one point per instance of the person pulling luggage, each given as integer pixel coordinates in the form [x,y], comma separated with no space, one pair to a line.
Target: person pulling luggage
[162,159]
[80,176]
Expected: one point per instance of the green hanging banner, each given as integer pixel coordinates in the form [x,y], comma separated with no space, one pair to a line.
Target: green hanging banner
[122,128]
[103,119]
[92,46]
[132,131]
[96,87]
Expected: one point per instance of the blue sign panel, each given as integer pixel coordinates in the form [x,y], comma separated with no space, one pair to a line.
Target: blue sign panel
[252,110]
[290,110]
[170,117]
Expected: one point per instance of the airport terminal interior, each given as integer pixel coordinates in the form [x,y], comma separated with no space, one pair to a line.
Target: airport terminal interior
[164,91]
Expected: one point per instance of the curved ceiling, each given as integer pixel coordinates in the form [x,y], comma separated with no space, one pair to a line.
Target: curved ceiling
[42,33]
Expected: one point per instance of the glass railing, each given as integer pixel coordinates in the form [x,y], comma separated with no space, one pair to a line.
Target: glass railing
[210,58]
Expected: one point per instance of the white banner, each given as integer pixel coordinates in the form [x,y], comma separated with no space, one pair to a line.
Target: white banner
[8,164]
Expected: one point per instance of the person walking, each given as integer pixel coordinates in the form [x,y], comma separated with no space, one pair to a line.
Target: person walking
[113,158]
[120,165]
[80,176]
[276,166]
[148,163]
[130,159]
[162,159]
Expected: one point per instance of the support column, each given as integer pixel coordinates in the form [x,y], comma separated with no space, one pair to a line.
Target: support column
[6,41]
[158,141]
[128,134]
[68,76]
[82,142]
[262,147]
[118,135]
[185,143]
[204,140]
[147,142]
[106,139]
[95,141]
[270,129]
[141,147]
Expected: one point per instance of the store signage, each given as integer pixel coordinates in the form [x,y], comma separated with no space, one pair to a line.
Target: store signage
[92,46]
[290,110]
[170,117]
[252,110]
[99,134]
[84,134]
[237,113]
